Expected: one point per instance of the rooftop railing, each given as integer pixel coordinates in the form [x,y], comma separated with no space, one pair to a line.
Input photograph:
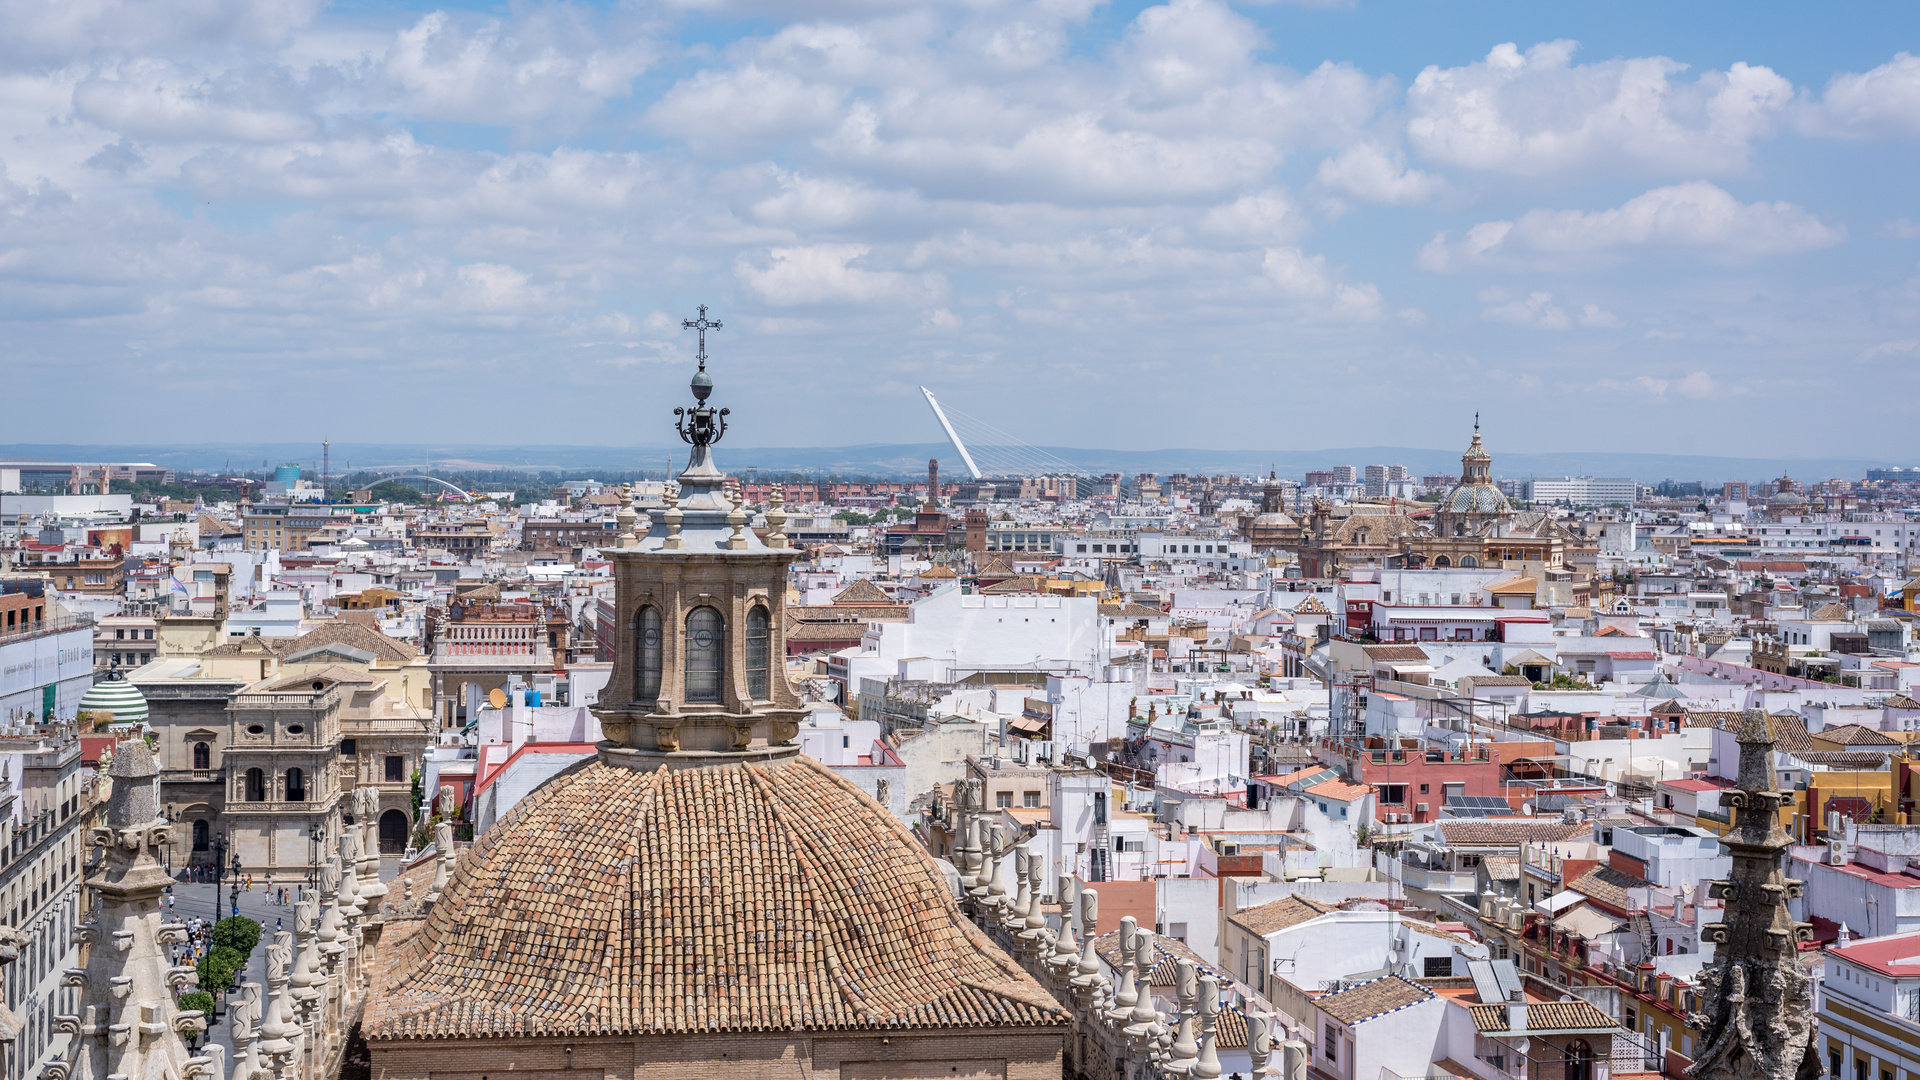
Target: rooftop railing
[46,626]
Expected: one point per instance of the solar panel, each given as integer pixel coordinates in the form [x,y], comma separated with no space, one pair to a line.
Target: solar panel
[1476,806]
[1509,978]
[1485,982]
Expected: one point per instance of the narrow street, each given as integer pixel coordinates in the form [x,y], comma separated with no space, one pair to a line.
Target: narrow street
[197,901]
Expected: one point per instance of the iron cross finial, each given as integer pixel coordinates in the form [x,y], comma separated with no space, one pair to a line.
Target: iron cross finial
[702,324]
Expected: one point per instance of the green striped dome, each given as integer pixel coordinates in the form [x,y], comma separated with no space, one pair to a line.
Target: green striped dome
[119,697]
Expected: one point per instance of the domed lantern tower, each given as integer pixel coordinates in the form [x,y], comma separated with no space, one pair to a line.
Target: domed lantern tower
[698,674]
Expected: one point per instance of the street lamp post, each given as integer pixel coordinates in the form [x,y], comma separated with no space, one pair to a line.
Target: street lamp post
[219,867]
[234,891]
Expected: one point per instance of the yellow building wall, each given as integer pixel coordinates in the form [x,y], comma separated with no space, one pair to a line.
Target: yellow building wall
[1877,788]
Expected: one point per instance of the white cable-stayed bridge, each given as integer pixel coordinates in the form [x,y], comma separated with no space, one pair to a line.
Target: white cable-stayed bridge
[987,451]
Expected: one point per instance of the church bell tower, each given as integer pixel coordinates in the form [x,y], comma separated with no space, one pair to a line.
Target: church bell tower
[698,673]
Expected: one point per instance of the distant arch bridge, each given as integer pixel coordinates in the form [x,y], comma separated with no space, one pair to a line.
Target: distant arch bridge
[431,480]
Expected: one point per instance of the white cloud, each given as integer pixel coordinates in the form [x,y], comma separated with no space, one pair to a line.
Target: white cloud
[1696,216]
[817,202]
[1900,229]
[1539,113]
[1269,215]
[822,274]
[1881,103]
[1304,277]
[1534,309]
[1538,309]
[550,62]
[1902,347]
[1296,272]
[723,109]
[1696,386]
[1595,317]
[1079,158]
[154,100]
[41,33]
[264,190]
[1367,173]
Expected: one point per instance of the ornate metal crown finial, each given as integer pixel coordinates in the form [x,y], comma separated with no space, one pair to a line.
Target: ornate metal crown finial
[701,425]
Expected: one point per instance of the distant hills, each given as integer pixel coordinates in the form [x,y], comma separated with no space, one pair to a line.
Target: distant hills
[910,459]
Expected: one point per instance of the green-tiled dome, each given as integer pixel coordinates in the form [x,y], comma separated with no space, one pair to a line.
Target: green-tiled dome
[1476,499]
[119,697]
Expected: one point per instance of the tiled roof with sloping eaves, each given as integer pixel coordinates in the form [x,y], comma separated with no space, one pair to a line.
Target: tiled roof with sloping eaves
[862,591]
[1386,654]
[1373,998]
[1277,915]
[1608,885]
[1545,1016]
[725,898]
[1506,831]
[1855,735]
[1789,731]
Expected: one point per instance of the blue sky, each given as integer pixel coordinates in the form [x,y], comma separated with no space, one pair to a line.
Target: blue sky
[1683,228]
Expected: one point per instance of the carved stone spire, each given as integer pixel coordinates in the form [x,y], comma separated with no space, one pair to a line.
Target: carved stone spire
[1756,999]
[777,517]
[625,518]
[128,1024]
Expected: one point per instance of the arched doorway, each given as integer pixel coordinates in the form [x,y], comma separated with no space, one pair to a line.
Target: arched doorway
[1579,1060]
[393,832]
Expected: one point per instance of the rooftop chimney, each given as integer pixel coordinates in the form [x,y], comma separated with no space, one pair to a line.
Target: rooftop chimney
[1517,1010]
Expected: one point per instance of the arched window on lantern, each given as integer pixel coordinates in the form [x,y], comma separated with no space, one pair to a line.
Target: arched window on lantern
[647,648]
[759,653]
[706,652]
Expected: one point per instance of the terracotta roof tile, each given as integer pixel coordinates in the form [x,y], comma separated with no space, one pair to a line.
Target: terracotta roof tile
[1278,915]
[728,898]
[1575,1015]
[1482,831]
[1389,653]
[1855,735]
[1375,997]
[862,591]
[1608,885]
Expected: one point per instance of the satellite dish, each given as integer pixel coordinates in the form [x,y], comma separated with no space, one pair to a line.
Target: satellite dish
[497,697]
[1526,808]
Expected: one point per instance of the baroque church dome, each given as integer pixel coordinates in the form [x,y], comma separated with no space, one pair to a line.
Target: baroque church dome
[698,876]
[1475,494]
[1476,499]
[726,898]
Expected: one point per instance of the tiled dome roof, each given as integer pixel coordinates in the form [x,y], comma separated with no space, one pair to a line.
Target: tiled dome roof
[1476,499]
[117,696]
[738,897]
